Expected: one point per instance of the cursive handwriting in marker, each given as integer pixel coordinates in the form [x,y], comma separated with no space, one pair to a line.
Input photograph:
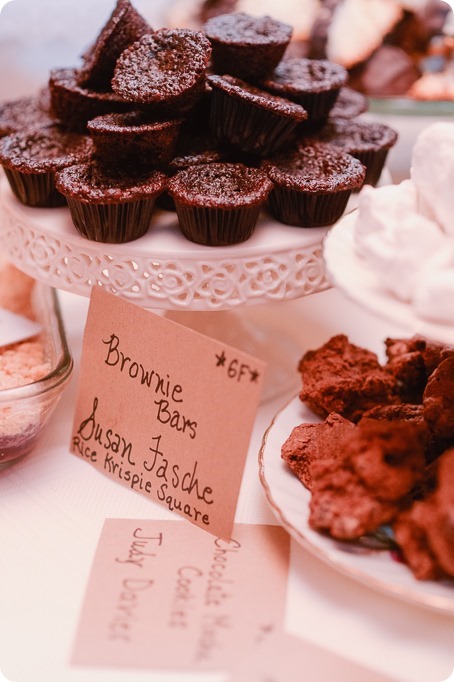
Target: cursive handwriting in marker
[91,430]
[137,553]
[239,371]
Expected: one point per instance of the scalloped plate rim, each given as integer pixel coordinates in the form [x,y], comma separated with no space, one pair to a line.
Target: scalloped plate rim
[327,552]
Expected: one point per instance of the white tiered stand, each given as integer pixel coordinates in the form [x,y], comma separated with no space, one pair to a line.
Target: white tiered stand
[205,288]
[163,270]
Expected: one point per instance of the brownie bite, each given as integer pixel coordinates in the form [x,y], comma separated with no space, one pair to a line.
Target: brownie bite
[368,141]
[218,204]
[192,148]
[124,27]
[31,159]
[197,119]
[313,83]
[318,34]
[74,105]
[344,378]
[349,104]
[246,46]
[164,70]
[312,184]
[25,112]
[250,118]
[112,206]
[127,138]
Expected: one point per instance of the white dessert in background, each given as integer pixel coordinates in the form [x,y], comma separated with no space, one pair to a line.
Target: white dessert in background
[405,232]
[434,295]
[432,171]
[385,235]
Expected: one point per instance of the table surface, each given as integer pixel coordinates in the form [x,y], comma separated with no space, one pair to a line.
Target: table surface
[52,507]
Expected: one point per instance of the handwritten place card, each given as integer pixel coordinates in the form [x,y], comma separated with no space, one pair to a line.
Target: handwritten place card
[282,657]
[163,595]
[165,411]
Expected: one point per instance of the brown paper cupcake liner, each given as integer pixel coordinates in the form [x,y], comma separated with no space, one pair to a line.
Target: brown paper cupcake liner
[247,46]
[318,106]
[35,189]
[75,106]
[307,209]
[374,161]
[251,63]
[166,202]
[247,127]
[217,226]
[112,223]
[121,139]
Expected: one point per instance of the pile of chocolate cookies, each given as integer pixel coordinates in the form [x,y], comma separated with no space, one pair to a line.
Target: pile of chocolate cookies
[384,453]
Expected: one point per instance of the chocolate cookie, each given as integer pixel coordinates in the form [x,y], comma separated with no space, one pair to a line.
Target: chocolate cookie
[344,378]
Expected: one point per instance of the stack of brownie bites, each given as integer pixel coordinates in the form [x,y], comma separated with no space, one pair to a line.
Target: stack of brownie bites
[217,124]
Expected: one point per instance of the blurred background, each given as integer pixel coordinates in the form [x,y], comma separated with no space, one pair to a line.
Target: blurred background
[38,35]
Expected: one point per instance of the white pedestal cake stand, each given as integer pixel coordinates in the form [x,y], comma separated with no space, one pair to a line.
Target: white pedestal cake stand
[165,272]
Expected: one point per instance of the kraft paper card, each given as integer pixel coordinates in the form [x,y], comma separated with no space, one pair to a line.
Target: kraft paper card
[164,595]
[165,411]
[282,657]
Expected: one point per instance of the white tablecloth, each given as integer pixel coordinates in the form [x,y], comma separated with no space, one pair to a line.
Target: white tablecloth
[52,507]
